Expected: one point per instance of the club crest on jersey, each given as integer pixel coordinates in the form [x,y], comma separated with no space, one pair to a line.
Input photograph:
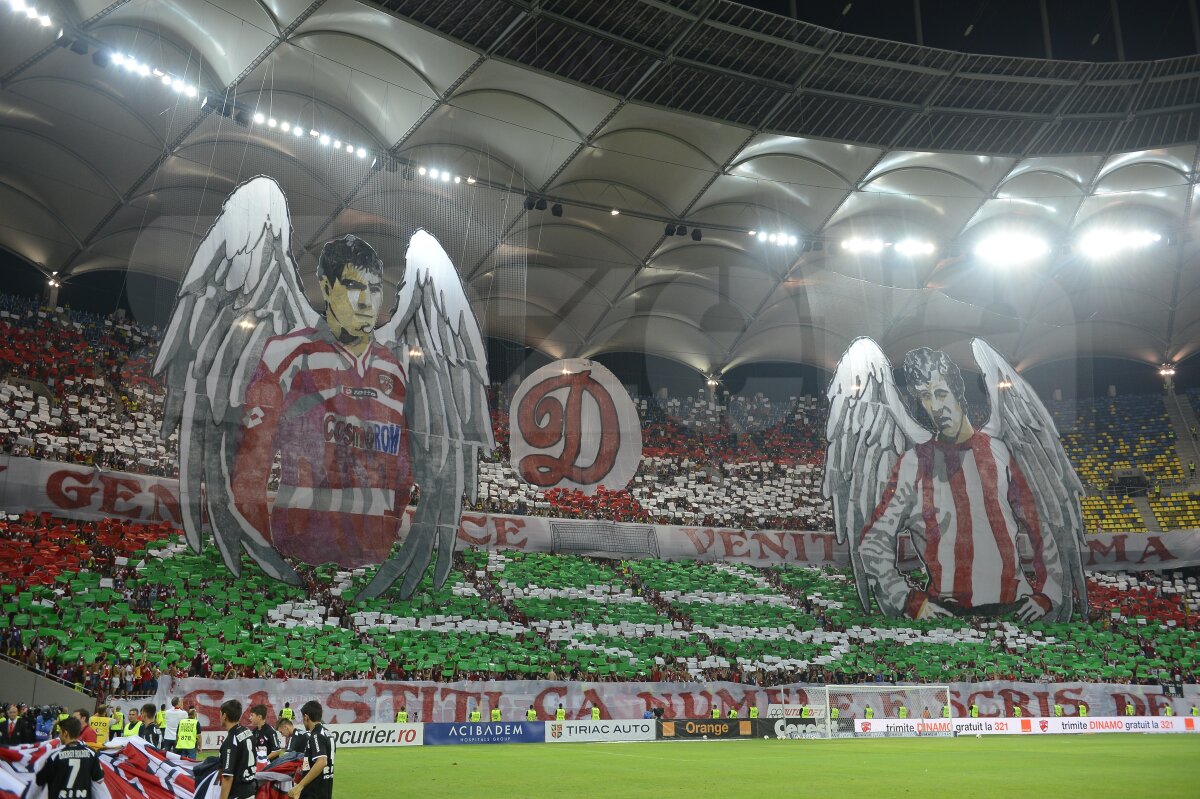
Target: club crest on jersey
[387,383]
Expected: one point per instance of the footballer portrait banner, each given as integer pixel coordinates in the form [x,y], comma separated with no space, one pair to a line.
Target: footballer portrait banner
[346,394]
[573,425]
[906,461]
[486,732]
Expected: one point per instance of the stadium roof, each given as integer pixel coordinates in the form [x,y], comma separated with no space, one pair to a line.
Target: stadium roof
[704,113]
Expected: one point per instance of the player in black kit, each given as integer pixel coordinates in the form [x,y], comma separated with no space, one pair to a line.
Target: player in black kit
[238,764]
[318,750]
[70,770]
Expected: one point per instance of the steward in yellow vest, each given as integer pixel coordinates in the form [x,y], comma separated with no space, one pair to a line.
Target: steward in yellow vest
[733,712]
[401,716]
[560,714]
[496,714]
[287,712]
[531,714]
[595,713]
[903,713]
[754,712]
[475,715]
[188,736]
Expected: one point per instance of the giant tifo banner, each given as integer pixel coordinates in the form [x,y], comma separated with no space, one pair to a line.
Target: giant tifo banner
[81,492]
[371,701]
[573,425]
[908,459]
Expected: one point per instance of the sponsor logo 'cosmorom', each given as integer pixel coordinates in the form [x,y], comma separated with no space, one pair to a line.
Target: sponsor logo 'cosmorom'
[368,435]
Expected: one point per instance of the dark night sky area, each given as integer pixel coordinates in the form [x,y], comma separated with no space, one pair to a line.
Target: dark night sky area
[1150,29]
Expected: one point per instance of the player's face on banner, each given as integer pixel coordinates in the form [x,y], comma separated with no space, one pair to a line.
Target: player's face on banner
[354,300]
[942,406]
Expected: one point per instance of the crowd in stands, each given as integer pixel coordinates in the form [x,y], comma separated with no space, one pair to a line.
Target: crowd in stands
[137,604]
[77,387]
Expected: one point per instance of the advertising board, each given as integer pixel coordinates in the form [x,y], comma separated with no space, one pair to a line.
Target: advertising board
[577,731]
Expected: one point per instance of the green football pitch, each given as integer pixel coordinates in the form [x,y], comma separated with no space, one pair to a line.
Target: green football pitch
[1054,766]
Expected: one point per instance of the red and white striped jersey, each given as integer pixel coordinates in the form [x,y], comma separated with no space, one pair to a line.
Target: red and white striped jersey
[337,421]
[961,504]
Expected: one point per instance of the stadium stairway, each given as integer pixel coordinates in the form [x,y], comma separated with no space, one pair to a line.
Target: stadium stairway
[1183,419]
[1148,517]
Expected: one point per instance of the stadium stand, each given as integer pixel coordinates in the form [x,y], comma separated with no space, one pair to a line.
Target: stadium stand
[1111,433]
[117,605]
[1177,511]
[1110,514]
[745,462]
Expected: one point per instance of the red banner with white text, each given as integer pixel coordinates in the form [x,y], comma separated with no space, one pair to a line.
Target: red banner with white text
[82,492]
[374,701]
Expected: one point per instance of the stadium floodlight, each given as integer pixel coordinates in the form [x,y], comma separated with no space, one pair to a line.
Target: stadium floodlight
[1012,248]
[259,118]
[1100,243]
[914,247]
[859,244]
[762,236]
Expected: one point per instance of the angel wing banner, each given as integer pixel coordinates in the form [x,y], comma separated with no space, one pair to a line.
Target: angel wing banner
[993,512]
[348,405]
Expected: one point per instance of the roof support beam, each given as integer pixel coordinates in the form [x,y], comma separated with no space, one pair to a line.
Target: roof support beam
[13,73]
[187,131]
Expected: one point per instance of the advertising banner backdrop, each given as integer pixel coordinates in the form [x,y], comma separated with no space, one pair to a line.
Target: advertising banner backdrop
[486,732]
[790,727]
[81,492]
[706,728]
[561,732]
[352,735]
[364,701]
[1026,726]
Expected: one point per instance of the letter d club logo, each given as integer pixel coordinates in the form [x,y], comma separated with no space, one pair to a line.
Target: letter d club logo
[573,425]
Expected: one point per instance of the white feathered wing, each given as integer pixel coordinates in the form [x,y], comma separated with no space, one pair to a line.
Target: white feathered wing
[434,332]
[869,428]
[1021,421]
[241,288]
